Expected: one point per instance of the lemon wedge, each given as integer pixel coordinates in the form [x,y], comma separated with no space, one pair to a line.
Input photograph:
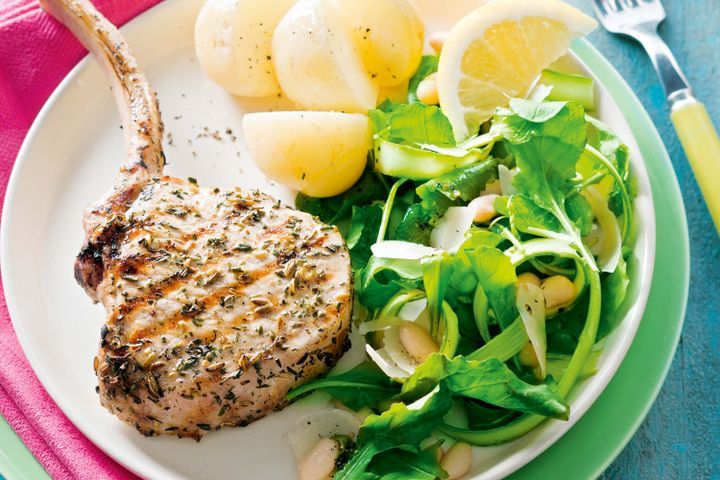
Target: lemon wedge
[497,52]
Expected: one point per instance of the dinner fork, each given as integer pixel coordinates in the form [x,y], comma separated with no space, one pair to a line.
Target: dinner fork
[639,19]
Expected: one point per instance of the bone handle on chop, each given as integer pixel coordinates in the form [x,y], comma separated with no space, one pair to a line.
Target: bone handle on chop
[136,100]
[143,127]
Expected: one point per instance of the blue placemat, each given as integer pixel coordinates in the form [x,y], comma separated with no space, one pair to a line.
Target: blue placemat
[680,439]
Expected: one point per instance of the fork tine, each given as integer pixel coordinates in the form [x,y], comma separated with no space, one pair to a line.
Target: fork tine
[606,6]
[610,6]
[623,16]
[599,8]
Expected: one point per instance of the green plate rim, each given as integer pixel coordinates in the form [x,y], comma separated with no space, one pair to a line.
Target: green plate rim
[602,437]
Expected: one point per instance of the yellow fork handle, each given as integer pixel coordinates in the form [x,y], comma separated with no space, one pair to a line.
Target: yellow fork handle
[702,147]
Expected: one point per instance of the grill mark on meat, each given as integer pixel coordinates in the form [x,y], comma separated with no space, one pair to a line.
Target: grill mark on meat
[169,284]
[205,303]
[161,289]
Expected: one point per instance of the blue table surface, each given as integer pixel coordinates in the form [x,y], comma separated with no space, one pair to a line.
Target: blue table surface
[680,438]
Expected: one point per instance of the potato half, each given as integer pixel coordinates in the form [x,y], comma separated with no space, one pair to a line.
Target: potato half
[317,62]
[320,154]
[389,35]
[233,42]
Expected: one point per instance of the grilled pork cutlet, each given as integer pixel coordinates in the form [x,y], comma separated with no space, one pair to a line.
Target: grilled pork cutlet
[218,301]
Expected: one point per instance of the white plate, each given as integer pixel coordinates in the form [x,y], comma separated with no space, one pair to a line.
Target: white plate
[70,158]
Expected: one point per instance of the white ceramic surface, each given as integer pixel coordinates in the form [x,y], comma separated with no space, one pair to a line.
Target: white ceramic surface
[70,158]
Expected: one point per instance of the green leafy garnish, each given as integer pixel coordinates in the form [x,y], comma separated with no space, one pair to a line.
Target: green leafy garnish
[401,426]
[496,275]
[490,381]
[547,140]
[404,465]
[413,125]
[362,233]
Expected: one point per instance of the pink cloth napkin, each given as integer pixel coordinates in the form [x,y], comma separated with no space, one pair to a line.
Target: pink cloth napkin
[36,52]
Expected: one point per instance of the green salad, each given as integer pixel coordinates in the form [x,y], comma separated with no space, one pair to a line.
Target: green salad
[486,272]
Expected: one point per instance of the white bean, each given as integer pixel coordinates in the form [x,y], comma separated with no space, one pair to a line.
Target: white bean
[437,40]
[427,90]
[558,291]
[417,341]
[319,463]
[457,461]
[484,207]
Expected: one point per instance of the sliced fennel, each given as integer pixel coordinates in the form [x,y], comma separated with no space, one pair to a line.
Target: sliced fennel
[397,352]
[383,360]
[610,248]
[531,305]
[595,154]
[392,358]
[401,250]
[484,140]
[450,231]
[411,311]
[325,423]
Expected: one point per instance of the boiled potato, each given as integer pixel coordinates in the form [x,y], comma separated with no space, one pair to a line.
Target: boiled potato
[233,42]
[317,62]
[389,36]
[320,154]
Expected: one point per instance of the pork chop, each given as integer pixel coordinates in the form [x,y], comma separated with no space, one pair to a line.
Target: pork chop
[218,301]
